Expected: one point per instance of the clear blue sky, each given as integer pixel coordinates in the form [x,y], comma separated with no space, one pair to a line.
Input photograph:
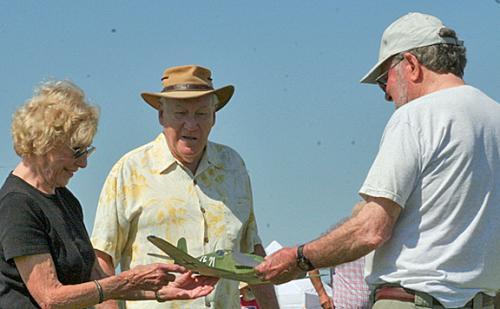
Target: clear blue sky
[306,128]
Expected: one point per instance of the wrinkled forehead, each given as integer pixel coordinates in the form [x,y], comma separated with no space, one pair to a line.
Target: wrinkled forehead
[209,100]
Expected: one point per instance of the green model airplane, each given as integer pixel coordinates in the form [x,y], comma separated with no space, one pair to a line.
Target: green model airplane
[221,263]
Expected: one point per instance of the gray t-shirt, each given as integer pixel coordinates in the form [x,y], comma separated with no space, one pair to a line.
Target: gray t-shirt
[439,159]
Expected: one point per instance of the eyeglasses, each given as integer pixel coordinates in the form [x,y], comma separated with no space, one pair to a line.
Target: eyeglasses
[382,78]
[80,152]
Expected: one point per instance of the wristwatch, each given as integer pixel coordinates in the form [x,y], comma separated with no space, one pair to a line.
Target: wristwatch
[303,262]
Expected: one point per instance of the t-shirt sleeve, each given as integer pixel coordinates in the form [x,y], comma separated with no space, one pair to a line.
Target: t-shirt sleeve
[395,171]
[22,225]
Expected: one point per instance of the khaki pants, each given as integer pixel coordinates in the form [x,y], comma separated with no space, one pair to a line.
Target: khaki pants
[424,301]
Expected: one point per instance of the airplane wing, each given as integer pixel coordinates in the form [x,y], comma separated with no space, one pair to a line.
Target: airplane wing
[178,255]
[245,261]
[182,258]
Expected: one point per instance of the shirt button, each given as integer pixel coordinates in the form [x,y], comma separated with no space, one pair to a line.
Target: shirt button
[206,240]
[203,210]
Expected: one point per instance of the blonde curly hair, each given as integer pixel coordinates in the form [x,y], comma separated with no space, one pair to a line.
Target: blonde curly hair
[58,113]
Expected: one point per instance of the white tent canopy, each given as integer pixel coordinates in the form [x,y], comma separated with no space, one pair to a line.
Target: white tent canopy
[296,294]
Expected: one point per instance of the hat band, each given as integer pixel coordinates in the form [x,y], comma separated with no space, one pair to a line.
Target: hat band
[184,87]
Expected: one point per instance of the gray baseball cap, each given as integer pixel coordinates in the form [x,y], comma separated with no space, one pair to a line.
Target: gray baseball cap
[409,31]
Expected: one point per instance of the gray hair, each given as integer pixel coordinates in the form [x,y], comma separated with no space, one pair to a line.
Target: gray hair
[443,58]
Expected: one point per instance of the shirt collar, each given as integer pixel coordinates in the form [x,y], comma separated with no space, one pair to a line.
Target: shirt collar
[166,160]
[210,158]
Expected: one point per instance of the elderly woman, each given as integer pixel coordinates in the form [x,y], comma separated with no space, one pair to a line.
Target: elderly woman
[46,258]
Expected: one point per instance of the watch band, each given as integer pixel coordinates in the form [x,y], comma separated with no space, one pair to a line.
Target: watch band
[302,261]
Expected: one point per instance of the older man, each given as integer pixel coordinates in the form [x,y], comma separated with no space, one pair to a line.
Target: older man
[433,192]
[180,185]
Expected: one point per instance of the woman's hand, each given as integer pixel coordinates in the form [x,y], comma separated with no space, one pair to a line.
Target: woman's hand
[187,286]
[150,277]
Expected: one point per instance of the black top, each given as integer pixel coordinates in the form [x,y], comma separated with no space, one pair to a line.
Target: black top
[32,222]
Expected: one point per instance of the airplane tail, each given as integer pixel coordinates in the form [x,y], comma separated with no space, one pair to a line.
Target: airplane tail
[182,245]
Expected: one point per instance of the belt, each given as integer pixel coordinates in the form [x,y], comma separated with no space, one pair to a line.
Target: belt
[396,293]
[407,295]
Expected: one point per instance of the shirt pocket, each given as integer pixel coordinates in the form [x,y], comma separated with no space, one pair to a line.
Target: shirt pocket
[226,220]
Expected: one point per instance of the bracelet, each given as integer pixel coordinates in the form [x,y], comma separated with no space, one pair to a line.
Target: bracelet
[158,297]
[100,290]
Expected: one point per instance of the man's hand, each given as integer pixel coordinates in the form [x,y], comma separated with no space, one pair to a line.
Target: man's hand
[326,302]
[280,267]
[264,293]
[324,299]
[187,286]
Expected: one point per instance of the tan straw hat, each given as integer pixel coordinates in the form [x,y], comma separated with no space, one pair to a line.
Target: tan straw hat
[185,82]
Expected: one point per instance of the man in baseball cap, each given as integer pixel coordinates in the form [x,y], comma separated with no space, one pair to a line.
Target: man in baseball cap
[432,194]
[180,185]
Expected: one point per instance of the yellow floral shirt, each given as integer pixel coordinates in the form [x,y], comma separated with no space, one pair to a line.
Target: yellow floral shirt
[148,192]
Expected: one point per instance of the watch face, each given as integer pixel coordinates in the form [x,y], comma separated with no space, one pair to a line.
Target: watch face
[303,264]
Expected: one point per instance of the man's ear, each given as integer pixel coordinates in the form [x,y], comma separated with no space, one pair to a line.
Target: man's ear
[413,68]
